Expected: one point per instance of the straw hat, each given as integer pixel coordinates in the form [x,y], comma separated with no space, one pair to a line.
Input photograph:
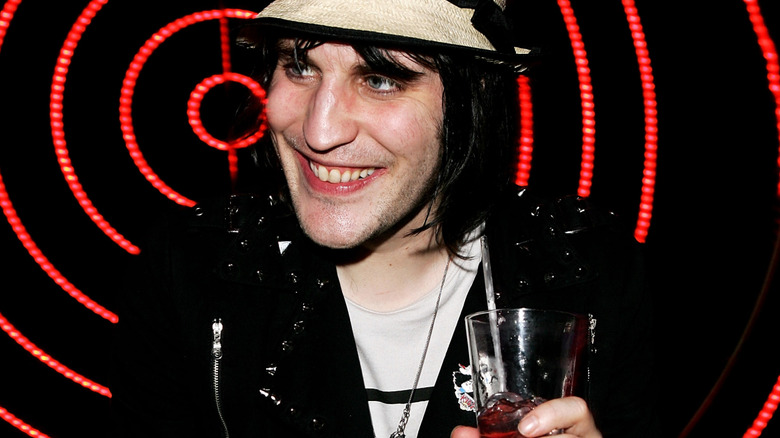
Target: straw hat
[477,26]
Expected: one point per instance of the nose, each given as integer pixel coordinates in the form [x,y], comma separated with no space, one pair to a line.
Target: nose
[330,119]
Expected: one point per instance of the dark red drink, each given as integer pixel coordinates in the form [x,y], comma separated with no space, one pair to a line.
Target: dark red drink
[501,414]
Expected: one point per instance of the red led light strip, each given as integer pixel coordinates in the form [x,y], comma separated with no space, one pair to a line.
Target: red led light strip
[57,125]
[196,97]
[6,15]
[21,425]
[586,97]
[16,224]
[651,120]
[770,55]
[51,362]
[43,262]
[526,141]
[588,111]
[227,67]
[10,5]
[128,87]
[224,44]
[773,76]
[770,406]
[193,105]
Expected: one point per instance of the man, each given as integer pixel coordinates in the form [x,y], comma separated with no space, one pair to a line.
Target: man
[393,124]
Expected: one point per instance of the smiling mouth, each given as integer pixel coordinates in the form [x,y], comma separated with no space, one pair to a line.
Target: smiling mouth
[339,176]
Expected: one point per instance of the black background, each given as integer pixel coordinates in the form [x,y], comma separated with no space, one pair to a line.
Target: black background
[712,234]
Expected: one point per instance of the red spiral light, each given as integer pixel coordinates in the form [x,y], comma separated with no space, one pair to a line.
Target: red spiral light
[21,425]
[651,120]
[586,98]
[769,51]
[58,127]
[50,361]
[42,261]
[128,88]
[196,97]
[525,146]
[767,411]
[6,15]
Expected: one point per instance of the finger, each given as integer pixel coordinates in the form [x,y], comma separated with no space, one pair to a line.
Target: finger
[569,413]
[464,432]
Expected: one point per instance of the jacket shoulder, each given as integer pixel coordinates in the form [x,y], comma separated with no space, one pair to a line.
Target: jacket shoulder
[540,243]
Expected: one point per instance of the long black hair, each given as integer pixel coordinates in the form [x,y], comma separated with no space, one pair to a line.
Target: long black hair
[478,134]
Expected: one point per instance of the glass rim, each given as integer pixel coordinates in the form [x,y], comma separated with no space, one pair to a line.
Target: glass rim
[523,310]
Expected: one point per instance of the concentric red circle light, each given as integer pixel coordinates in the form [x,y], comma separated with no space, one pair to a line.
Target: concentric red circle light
[525,146]
[196,97]
[128,88]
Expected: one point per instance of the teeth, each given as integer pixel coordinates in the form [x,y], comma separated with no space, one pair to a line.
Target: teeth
[335,176]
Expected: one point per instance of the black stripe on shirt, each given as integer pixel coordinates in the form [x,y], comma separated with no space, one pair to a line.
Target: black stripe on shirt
[399,397]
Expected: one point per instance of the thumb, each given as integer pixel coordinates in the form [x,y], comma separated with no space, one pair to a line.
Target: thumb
[464,432]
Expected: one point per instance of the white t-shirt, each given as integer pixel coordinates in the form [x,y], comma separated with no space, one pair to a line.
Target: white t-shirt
[391,344]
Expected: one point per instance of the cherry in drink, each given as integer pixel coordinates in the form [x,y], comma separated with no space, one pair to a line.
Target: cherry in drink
[501,414]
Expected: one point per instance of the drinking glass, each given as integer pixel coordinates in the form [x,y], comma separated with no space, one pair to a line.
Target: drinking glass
[521,358]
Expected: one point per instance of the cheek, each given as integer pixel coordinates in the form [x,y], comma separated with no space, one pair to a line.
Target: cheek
[283,107]
[277,113]
[281,119]
[412,131]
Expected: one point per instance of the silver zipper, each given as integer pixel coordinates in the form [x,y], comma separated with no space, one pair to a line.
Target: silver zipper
[216,362]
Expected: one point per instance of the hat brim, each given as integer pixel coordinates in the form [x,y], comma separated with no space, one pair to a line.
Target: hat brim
[255,28]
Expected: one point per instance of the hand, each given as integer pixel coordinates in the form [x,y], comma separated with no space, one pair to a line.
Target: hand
[569,413]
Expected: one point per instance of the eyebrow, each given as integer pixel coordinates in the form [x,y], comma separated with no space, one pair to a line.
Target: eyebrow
[372,61]
[389,69]
[290,50]
[383,62]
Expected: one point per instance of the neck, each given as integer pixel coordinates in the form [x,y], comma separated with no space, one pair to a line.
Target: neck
[391,277]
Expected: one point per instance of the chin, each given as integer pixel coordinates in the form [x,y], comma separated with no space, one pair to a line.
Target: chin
[336,243]
[332,238]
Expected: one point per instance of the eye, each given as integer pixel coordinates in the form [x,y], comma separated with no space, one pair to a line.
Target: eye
[382,83]
[298,70]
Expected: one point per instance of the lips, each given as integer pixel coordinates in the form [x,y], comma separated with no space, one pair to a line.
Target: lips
[341,175]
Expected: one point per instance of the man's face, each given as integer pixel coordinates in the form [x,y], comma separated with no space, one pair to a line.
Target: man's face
[359,148]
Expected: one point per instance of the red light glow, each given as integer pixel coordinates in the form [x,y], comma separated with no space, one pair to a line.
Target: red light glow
[16,224]
[193,112]
[224,44]
[6,15]
[773,76]
[50,361]
[526,142]
[128,88]
[770,55]
[770,406]
[651,121]
[196,97]
[43,262]
[586,97]
[57,126]
[21,425]
[227,67]
[525,147]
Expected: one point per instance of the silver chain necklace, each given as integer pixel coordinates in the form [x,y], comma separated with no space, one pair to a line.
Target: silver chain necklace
[399,432]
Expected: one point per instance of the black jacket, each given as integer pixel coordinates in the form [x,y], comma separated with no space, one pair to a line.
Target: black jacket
[285,362]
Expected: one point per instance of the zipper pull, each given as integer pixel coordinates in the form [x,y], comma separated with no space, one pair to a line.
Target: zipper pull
[216,344]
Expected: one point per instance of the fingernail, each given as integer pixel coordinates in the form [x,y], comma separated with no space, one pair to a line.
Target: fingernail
[528,425]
